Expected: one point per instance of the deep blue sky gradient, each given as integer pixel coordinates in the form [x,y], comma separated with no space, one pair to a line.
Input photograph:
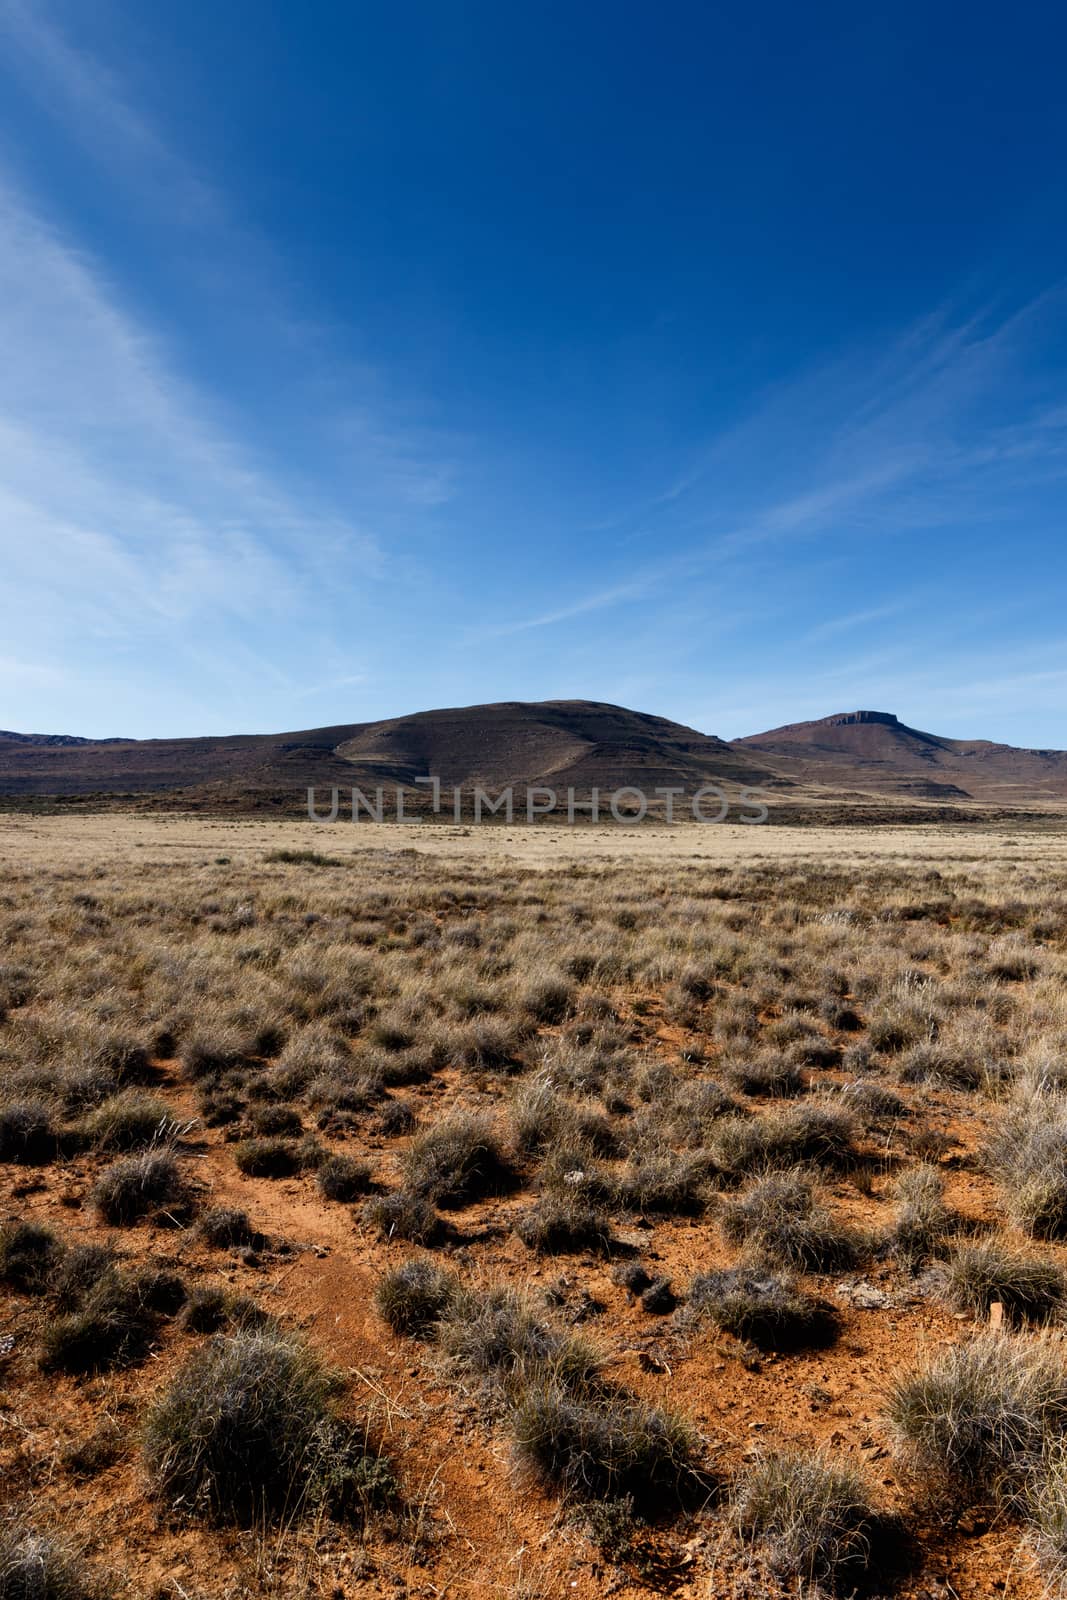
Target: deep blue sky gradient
[361,359]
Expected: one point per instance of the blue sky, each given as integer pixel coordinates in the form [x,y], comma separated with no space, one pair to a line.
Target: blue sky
[356,359]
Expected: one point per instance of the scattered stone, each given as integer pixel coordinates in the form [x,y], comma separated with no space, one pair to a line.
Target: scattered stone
[864,1295]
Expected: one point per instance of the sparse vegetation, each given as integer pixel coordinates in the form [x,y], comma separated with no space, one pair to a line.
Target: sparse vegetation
[226,1228]
[248,1429]
[416,1296]
[1046,1513]
[26,1132]
[139,1186]
[586,1055]
[37,1565]
[560,1223]
[126,1121]
[29,1256]
[112,1322]
[498,1335]
[980,1418]
[1028,1154]
[457,1161]
[406,1216]
[272,1157]
[1029,1288]
[924,1223]
[762,1308]
[604,1446]
[811,1515]
[780,1222]
[343,1178]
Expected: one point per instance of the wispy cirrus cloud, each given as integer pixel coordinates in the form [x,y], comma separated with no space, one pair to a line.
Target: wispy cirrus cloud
[602,600]
[121,469]
[136,503]
[86,98]
[883,434]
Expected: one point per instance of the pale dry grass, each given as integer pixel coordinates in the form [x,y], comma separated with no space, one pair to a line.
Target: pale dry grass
[529,1044]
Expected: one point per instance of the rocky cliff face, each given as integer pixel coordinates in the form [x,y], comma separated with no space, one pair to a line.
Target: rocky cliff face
[844,718]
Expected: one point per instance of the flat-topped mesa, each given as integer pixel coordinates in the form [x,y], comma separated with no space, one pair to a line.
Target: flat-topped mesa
[842,718]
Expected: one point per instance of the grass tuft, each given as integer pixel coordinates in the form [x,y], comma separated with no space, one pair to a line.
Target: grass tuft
[343,1178]
[247,1431]
[41,1566]
[27,1137]
[562,1224]
[763,1309]
[811,1516]
[780,1222]
[416,1296]
[604,1446]
[924,1223]
[1030,1288]
[978,1419]
[29,1256]
[139,1185]
[457,1161]
[406,1216]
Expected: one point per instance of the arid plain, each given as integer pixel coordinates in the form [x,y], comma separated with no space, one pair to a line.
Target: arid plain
[533,1211]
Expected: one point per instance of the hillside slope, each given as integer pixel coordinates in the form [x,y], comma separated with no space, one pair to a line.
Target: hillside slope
[875,751]
[564,743]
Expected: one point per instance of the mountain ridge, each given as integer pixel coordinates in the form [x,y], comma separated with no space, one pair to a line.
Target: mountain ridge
[875,748]
[579,744]
[576,743]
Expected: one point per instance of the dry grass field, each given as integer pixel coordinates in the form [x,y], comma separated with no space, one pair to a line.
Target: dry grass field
[503,1212]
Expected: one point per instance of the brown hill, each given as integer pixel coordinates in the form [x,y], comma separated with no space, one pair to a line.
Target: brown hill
[576,743]
[875,752]
[850,758]
[563,743]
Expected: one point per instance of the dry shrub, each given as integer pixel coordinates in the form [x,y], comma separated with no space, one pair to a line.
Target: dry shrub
[1030,1288]
[811,1515]
[457,1161]
[247,1430]
[978,1419]
[139,1186]
[780,1222]
[765,1309]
